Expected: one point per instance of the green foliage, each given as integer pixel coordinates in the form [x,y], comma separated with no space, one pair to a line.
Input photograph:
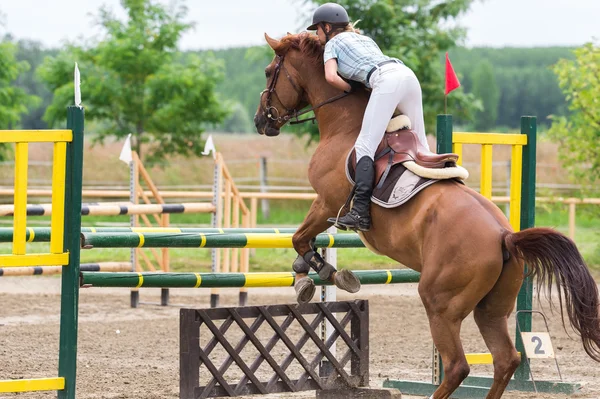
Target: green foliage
[34,54]
[238,121]
[135,81]
[244,79]
[579,133]
[486,89]
[524,77]
[13,100]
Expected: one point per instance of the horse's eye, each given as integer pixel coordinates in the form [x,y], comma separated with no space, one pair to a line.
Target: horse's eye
[267,73]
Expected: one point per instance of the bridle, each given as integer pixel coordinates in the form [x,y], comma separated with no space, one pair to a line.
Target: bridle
[272,113]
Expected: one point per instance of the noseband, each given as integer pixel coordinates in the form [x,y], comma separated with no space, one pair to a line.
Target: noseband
[272,113]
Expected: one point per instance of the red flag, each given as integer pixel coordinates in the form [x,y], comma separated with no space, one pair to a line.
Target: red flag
[451,79]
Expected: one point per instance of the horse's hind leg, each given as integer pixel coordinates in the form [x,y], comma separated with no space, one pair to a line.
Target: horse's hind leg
[445,331]
[446,337]
[445,312]
[450,291]
[491,316]
[494,330]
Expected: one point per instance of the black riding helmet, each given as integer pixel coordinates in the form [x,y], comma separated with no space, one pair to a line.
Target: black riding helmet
[330,13]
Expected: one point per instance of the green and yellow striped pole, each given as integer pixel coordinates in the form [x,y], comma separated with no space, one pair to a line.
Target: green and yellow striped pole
[200,240]
[43,234]
[232,280]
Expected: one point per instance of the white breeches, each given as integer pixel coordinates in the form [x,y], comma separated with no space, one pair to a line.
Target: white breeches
[395,86]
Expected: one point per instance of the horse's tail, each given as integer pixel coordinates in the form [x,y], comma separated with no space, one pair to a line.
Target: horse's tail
[551,255]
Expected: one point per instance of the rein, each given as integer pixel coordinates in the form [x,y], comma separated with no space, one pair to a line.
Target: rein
[272,113]
[307,110]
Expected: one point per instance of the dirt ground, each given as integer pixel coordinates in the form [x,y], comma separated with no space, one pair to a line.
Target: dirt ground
[134,353]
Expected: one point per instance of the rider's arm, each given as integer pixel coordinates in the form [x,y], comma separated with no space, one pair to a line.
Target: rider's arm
[332,76]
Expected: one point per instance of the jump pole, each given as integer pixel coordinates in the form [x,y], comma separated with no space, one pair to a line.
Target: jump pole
[43,234]
[200,240]
[233,280]
[48,270]
[117,209]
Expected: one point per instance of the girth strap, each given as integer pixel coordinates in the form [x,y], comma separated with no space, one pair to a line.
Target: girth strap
[387,169]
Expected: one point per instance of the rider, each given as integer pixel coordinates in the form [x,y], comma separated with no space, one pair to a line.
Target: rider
[357,58]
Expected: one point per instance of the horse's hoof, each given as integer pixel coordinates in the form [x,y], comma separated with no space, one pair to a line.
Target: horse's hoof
[305,289]
[347,281]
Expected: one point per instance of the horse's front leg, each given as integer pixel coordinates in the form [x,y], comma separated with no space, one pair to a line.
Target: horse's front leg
[315,223]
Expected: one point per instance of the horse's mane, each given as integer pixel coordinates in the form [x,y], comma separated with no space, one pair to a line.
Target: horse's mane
[308,44]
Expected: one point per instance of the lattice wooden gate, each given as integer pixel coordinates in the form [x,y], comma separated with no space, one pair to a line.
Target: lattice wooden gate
[283,338]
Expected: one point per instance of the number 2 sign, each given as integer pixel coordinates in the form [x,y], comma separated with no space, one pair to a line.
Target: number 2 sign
[537,345]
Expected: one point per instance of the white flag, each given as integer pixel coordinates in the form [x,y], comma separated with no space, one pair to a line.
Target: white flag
[126,151]
[209,146]
[77,87]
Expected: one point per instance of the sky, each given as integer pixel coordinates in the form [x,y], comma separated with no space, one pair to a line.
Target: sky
[236,23]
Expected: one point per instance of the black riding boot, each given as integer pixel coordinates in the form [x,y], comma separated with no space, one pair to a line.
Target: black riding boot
[359,216]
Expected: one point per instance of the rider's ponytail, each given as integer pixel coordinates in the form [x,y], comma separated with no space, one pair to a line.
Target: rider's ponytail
[349,27]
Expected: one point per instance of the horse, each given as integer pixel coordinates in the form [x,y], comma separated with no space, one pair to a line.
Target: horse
[469,257]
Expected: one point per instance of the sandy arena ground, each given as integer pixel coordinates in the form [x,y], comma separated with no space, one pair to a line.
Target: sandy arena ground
[142,359]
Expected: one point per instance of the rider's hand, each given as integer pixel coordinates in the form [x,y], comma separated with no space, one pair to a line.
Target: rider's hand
[353,86]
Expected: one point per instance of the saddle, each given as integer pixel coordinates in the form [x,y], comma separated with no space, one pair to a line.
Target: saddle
[403,166]
[399,145]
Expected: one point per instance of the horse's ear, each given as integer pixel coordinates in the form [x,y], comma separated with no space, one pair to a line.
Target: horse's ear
[273,43]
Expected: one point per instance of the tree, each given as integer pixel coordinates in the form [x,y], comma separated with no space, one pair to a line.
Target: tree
[238,121]
[244,69]
[13,100]
[527,84]
[417,32]
[486,89]
[135,81]
[579,132]
[34,54]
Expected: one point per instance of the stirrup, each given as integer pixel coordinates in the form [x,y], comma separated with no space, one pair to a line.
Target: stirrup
[355,221]
[335,223]
[334,220]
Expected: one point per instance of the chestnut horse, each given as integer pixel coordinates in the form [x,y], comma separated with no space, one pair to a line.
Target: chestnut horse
[469,257]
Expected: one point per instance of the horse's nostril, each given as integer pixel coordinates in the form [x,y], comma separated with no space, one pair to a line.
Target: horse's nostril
[260,123]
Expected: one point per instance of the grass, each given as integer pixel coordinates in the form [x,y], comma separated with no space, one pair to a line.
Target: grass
[587,232]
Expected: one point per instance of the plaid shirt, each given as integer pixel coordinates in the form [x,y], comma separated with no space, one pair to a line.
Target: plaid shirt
[356,55]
